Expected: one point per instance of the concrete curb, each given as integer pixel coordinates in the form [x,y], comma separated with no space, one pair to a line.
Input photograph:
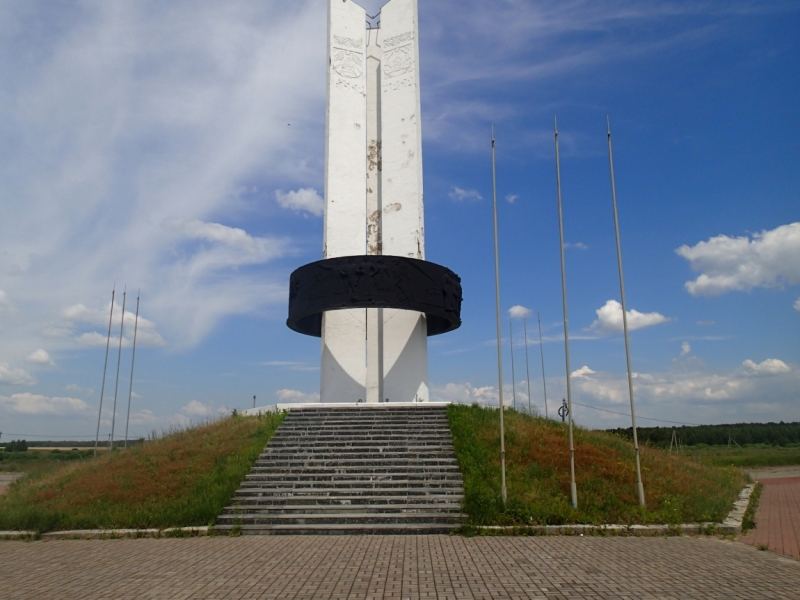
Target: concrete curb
[106,534]
[732,525]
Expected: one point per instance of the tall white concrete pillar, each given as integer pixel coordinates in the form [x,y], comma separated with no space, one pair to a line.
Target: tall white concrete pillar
[343,364]
[403,232]
[373,198]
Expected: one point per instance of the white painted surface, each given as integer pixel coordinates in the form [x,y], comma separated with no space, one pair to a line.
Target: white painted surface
[373,198]
[343,360]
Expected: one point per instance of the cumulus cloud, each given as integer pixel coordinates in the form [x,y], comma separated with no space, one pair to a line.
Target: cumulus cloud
[466,393]
[771,366]
[609,318]
[15,376]
[459,194]
[196,409]
[769,259]
[578,245]
[147,334]
[685,348]
[40,357]
[5,303]
[34,404]
[292,396]
[76,389]
[583,372]
[511,198]
[303,200]
[797,304]
[519,312]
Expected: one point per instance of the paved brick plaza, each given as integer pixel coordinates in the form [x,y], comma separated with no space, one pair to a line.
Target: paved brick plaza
[778,517]
[394,567]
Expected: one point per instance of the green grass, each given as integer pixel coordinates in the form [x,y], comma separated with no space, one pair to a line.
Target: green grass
[678,490]
[748,456]
[749,519]
[182,479]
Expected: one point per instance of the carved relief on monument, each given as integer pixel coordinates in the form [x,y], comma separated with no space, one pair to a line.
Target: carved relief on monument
[405,82]
[398,61]
[396,40]
[347,63]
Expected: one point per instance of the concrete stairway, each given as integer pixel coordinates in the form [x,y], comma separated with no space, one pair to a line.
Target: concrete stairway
[354,470]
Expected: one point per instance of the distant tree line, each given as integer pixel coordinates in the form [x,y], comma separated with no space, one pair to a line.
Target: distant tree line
[773,434]
[17,446]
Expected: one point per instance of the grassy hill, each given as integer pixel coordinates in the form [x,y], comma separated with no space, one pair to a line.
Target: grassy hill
[677,490]
[181,479]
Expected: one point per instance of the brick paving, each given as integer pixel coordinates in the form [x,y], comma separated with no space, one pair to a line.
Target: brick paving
[397,567]
[778,518]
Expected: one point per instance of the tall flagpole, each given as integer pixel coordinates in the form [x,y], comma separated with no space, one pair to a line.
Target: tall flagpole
[527,366]
[513,376]
[116,386]
[133,358]
[541,355]
[499,335]
[624,317]
[105,367]
[573,487]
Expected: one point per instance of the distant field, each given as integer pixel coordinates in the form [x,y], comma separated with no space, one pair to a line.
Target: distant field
[678,488]
[749,456]
[182,479]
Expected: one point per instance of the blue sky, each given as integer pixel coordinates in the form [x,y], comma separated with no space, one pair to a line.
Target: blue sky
[178,147]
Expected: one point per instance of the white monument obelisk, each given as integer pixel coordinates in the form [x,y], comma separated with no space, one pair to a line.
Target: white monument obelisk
[373,198]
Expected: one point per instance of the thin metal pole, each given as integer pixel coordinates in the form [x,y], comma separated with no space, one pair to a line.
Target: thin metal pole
[624,317]
[499,336]
[527,366]
[116,386]
[105,367]
[133,358]
[541,355]
[513,376]
[573,487]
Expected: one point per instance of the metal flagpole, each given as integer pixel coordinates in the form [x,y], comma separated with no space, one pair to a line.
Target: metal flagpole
[527,366]
[541,354]
[573,488]
[513,376]
[133,358]
[105,367]
[624,317]
[116,386]
[499,346]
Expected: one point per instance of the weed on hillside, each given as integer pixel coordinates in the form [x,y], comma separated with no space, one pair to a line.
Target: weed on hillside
[183,479]
[677,490]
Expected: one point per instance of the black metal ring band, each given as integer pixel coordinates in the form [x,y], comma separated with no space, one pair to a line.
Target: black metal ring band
[371,281]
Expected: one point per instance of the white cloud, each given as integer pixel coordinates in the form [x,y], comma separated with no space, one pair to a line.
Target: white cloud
[15,376]
[459,194]
[40,357]
[583,372]
[609,318]
[143,417]
[123,137]
[466,393]
[771,366]
[797,304]
[685,348]
[519,312]
[5,303]
[287,396]
[147,335]
[578,245]
[511,198]
[34,404]
[770,259]
[76,389]
[303,200]
[196,409]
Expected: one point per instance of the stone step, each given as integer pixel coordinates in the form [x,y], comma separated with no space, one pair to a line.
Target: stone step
[397,486]
[357,470]
[454,508]
[324,496]
[344,500]
[337,529]
[343,518]
[410,477]
[313,463]
[324,453]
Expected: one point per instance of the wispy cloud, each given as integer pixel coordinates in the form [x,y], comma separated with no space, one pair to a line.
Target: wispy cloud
[458,194]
